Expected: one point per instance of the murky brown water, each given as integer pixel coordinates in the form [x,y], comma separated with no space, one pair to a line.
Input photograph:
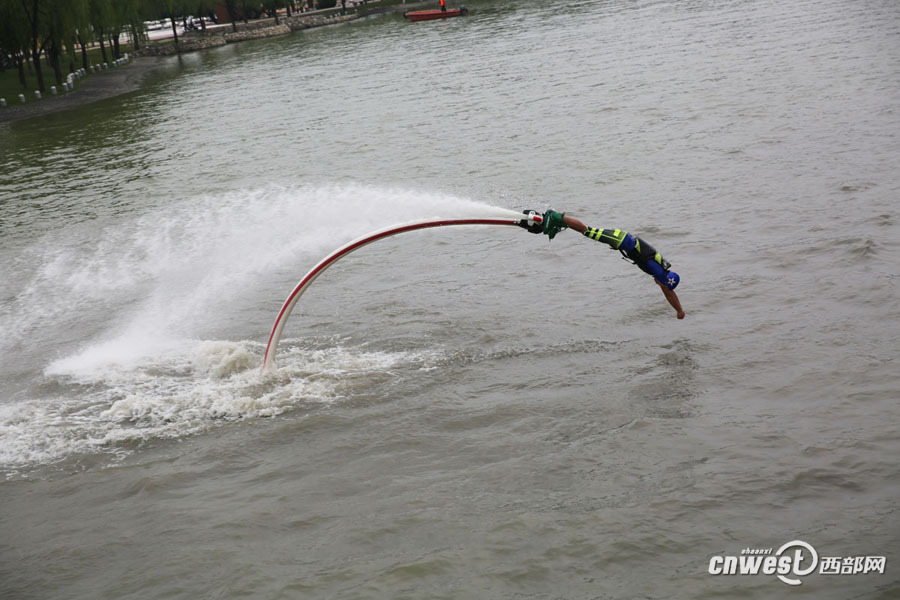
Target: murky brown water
[471,412]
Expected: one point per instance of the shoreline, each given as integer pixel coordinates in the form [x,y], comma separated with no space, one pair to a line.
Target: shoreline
[131,77]
[100,86]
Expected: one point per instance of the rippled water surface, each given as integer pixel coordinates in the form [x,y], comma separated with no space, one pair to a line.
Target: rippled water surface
[469,412]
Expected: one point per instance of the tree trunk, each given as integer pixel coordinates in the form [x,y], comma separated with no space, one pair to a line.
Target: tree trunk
[229,6]
[175,33]
[70,53]
[35,51]
[36,61]
[57,70]
[102,47]
[20,66]
[84,63]
[53,58]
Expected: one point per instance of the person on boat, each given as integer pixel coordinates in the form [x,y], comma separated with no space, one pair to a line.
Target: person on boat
[632,247]
[443,6]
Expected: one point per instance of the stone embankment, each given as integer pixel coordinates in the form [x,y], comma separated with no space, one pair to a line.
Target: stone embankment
[200,40]
[255,34]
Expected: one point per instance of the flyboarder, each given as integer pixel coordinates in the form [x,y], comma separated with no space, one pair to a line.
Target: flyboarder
[632,247]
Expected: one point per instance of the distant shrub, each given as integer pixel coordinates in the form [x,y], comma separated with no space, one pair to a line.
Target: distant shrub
[327,3]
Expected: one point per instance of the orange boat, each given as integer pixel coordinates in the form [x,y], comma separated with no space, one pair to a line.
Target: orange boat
[428,15]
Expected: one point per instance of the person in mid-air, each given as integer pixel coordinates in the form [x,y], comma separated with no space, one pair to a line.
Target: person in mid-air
[632,247]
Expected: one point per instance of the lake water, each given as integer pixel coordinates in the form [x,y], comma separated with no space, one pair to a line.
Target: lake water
[470,412]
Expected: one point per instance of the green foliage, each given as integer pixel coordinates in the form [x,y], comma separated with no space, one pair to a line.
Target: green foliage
[13,33]
[58,29]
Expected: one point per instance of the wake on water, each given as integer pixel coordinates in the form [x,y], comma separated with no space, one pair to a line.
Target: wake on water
[128,311]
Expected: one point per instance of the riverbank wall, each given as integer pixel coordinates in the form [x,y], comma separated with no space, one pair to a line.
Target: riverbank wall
[220,36]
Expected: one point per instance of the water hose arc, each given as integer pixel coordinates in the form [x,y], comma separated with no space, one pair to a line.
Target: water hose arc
[513,218]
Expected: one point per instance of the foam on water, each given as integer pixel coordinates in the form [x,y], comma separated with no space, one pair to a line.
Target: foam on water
[131,308]
[109,406]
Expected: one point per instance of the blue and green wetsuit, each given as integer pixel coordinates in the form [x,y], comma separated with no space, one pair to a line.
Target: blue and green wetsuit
[640,252]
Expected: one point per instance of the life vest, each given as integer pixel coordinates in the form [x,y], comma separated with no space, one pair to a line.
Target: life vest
[631,247]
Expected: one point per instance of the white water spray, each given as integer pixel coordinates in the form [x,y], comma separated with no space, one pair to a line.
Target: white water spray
[135,307]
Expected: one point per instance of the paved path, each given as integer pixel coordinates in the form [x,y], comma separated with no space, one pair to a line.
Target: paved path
[98,86]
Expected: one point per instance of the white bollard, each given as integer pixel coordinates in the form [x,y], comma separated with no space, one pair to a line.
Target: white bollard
[2,102]
[22,98]
[37,94]
[53,90]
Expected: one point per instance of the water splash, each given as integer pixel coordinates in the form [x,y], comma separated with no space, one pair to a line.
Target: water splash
[176,273]
[130,305]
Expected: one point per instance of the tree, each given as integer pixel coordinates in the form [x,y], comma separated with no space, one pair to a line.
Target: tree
[62,19]
[272,6]
[56,28]
[100,18]
[54,25]
[14,39]
[172,9]
[33,14]
[204,8]
[232,13]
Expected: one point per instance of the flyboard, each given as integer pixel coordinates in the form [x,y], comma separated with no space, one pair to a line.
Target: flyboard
[505,217]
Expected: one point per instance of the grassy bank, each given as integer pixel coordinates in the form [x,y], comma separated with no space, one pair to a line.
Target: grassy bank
[11,87]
